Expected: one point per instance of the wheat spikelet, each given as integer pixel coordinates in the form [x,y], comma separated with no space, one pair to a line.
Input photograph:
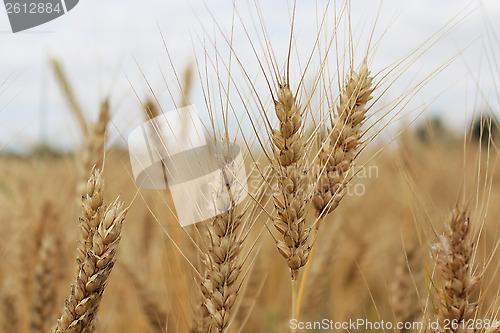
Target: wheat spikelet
[338,152]
[44,290]
[291,198]
[454,266]
[101,228]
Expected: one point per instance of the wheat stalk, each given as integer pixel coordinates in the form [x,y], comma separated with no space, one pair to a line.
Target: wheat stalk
[101,229]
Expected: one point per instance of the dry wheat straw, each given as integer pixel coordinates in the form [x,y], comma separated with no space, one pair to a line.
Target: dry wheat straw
[44,290]
[101,229]
[454,268]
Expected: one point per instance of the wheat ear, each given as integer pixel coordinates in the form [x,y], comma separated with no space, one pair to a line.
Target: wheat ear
[101,230]
[69,94]
[44,287]
[291,198]
[336,156]
[9,312]
[92,152]
[454,268]
[219,287]
[404,297]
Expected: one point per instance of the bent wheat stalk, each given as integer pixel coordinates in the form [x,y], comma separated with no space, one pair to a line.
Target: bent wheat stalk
[101,230]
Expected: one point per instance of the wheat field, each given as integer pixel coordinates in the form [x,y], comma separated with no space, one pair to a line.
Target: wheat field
[359,215]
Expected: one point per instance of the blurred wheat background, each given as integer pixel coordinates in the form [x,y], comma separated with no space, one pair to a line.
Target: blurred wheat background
[414,236]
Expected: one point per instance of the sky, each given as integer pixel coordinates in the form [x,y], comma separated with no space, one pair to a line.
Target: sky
[122,48]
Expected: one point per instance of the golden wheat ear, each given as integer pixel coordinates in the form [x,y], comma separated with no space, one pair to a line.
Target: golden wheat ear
[44,287]
[404,293]
[337,154]
[101,232]
[219,285]
[10,316]
[292,196]
[92,152]
[455,280]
